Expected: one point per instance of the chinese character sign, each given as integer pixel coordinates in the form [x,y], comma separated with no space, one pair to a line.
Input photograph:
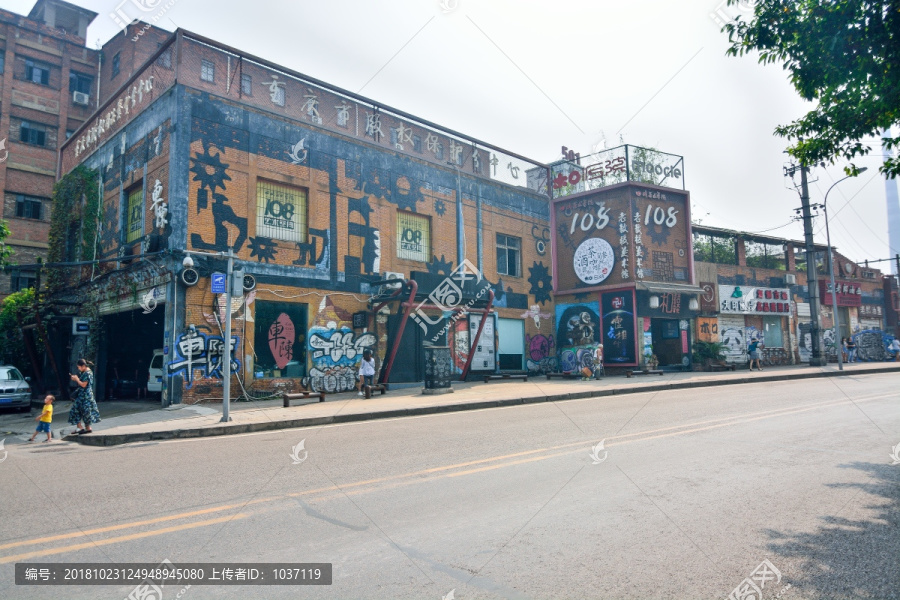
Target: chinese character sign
[747,300]
[198,351]
[619,236]
[619,334]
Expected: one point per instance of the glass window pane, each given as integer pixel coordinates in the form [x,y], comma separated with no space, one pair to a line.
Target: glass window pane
[414,241]
[281,212]
[135,217]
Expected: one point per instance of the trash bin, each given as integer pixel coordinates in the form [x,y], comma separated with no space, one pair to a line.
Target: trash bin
[438,367]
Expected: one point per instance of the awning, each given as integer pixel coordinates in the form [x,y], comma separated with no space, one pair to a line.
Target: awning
[668,288]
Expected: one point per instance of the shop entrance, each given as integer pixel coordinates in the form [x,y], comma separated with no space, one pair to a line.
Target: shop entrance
[671,343]
[123,361]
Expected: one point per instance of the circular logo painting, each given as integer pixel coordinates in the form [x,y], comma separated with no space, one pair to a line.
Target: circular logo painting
[594,260]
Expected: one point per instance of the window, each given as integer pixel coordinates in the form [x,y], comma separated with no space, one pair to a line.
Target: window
[28,207]
[207,71]
[79,82]
[417,143]
[37,72]
[280,342]
[280,214]
[765,256]
[246,85]
[116,64]
[134,226]
[22,280]
[719,249]
[2,60]
[414,239]
[32,133]
[509,253]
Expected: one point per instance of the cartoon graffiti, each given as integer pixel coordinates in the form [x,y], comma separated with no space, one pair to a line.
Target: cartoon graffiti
[540,281]
[578,324]
[308,250]
[263,248]
[196,350]
[535,313]
[575,359]
[370,261]
[735,344]
[539,355]
[210,171]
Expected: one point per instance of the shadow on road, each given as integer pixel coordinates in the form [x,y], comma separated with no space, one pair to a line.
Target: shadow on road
[848,558]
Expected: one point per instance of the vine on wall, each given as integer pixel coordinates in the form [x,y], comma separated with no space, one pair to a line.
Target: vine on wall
[76,200]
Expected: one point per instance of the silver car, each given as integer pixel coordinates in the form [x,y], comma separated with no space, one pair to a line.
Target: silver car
[14,389]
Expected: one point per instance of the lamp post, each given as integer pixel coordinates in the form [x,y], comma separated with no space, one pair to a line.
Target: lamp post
[834,306]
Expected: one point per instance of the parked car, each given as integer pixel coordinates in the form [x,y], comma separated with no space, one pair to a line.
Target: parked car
[156,372]
[14,389]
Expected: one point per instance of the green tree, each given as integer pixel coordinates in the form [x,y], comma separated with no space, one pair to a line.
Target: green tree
[5,250]
[842,55]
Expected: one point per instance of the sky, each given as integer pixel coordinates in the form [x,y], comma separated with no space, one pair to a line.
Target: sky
[532,76]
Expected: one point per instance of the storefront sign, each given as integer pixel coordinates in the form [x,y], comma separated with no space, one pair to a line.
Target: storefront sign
[870,311]
[708,302]
[708,329]
[619,330]
[621,236]
[736,299]
[848,294]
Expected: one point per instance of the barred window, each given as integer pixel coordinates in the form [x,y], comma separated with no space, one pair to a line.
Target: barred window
[281,212]
[33,133]
[28,207]
[135,217]
[414,237]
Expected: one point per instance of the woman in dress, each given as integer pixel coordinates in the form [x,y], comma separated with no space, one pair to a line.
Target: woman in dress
[84,407]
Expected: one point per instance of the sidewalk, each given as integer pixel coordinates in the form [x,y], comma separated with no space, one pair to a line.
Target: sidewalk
[190,421]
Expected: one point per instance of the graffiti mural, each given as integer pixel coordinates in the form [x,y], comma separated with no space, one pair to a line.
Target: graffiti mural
[872,345]
[369,262]
[336,349]
[575,359]
[281,340]
[577,334]
[309,254]
[459,345]
[210,172]
[540,354]
[197,351]
[263,248]
[735,343]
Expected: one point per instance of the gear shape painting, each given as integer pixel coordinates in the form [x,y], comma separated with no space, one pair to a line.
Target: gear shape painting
[540,281]
[440,267]
[439,207]
[659,234]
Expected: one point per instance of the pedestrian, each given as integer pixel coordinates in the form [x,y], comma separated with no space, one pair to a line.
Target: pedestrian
[754,353]
[844,348]
[895,349]
[366,371]
[851,350]
[84,406]
[44,419]
[598,361]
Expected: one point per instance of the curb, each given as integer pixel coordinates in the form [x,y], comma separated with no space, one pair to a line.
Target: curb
[100,439]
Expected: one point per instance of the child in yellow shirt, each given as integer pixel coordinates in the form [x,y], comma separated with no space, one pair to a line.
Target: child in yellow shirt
[44,419]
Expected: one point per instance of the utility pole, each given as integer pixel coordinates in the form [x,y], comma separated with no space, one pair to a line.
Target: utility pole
[226,357]
[812,282]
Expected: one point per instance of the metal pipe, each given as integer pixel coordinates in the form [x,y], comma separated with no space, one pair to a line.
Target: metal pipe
[386,372]
[226,368]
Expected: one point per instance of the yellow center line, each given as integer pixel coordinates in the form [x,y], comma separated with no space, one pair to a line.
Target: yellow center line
[425,475]
[116,540]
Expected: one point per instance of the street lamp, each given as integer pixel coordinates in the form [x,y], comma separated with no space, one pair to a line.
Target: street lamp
[834,306]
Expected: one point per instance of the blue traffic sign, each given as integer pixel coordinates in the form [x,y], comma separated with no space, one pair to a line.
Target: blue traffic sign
[218,283]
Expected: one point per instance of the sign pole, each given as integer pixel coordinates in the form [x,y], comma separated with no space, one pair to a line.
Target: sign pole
[226,355]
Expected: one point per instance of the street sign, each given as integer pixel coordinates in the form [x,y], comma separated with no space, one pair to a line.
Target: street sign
[81,325]
[218,283]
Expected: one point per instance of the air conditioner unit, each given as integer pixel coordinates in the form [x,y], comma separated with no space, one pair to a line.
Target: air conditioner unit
[81,98]
[391,275]
[790,279]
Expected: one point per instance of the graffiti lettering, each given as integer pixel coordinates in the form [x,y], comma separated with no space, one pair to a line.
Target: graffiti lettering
[196,350]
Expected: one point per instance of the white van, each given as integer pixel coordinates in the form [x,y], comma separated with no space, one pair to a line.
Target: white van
[156,372]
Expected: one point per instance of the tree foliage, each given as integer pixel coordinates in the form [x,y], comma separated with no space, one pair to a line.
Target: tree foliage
[16,306]
[76,200]
[844,55]
[5,250]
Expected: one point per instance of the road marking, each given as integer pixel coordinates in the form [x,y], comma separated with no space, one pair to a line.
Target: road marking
[430,474]
[116,540]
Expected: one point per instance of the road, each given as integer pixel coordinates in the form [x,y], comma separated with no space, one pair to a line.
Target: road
[690,493]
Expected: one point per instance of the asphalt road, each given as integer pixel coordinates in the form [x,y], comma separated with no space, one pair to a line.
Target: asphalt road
[691,492]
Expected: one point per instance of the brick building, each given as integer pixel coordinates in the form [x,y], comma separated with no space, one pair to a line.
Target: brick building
[49,86]
[756,286]
[321,194]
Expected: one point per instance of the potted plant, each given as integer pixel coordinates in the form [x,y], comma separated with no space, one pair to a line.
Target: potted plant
[706,353]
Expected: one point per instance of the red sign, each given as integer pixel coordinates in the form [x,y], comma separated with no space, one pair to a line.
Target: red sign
[848,294]
[618,302]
